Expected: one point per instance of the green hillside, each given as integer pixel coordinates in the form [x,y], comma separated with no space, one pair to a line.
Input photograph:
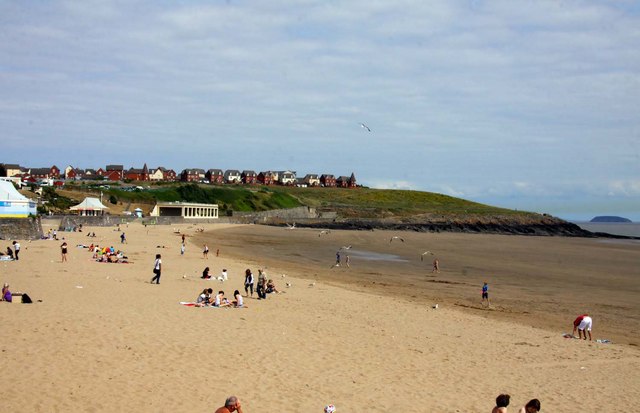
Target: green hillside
[349,203]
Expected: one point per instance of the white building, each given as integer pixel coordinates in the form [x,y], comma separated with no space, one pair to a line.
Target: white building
[13,204]
[187,210]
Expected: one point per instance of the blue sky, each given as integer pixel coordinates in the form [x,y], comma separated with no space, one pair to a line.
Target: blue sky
[523,104]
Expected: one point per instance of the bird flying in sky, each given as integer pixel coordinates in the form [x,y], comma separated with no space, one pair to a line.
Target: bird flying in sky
[365,127]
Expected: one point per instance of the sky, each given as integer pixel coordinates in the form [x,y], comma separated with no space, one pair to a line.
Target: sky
[531,105]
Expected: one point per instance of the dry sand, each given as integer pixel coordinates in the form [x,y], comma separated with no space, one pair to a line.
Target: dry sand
[121,344]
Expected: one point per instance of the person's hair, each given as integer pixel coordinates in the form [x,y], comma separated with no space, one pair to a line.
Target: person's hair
[247,271]
[236,292]
[206,269]
[157,255]
[224,269]
[502,400]
[221,292]
[210,290]
[535,403]
[231,401]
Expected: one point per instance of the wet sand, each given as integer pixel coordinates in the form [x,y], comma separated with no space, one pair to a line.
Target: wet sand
[537,281]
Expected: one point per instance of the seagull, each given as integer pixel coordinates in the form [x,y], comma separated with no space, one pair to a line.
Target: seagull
[313,284]
[425,253]
[291,226]
[324,231]
[365,127]
[288,285]
[284,275]
[348,247]
[396,237]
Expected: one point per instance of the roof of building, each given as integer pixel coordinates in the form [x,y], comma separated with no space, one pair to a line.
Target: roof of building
[89,204]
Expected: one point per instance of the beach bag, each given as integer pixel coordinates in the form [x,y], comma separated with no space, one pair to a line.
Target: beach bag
[26,299]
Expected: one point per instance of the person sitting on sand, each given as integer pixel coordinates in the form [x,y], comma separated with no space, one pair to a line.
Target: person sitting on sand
[205,274]
[224,275]
[232,404]
[10,252]
[271,287]
[6,294]
[239,301]
[583,323]
[532,407]
[502,401]
[220,300]
[204,298]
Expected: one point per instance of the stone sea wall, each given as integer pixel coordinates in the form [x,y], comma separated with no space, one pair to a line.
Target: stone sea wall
[20,228]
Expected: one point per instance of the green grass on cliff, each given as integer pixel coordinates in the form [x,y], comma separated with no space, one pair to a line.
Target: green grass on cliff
[357,202]
[366,202]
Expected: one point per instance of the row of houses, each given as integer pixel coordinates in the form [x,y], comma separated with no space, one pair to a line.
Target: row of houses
[161,174]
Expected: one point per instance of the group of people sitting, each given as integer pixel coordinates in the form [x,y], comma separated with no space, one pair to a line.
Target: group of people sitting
[208,299]
[108,254]
[206,275]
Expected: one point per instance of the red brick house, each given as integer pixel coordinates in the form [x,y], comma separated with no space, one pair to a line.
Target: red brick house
[265,178]
[168,175]
[249,177]
[215,176]
[190,175]
[138,174]
[327,180]
[342,182]
[114,172]
[45,173]
[352,181]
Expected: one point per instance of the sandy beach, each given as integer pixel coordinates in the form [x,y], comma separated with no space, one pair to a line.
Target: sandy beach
[365,338]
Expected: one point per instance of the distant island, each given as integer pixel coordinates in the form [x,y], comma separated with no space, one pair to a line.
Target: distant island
[606,218]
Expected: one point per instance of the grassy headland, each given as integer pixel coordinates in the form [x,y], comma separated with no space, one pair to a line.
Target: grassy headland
[348,203]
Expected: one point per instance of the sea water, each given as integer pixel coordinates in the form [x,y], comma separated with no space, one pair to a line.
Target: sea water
[629,229]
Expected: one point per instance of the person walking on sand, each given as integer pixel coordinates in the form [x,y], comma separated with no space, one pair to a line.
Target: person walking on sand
[436,266]
[248,282]
[157,269]
[123,238]
[232,404]
[63,250]
[502,401]
[485,293]
[532,407]
[205,252]
[337,258]
[183,238]
[583,324]
[16,249]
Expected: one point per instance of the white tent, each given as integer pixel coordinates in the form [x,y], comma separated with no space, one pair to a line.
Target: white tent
[90,206]
[13,204]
